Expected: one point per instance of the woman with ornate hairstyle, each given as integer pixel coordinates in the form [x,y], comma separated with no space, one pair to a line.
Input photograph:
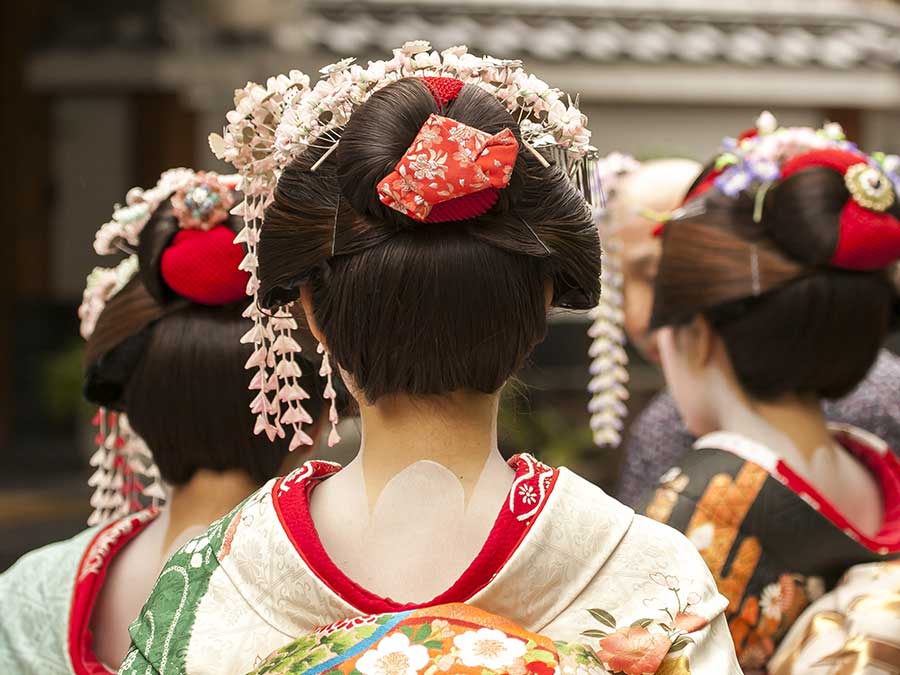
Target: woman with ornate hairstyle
[164,360]
[637,194]
[776,288]
[422,212]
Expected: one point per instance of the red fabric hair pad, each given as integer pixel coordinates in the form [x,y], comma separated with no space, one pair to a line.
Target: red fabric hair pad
[463,208]
[202,266]
[838,160]
[868,240]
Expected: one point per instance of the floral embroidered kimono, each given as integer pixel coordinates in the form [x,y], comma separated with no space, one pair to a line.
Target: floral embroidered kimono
[562,558]
[456,638]
[48,598]
[772,542]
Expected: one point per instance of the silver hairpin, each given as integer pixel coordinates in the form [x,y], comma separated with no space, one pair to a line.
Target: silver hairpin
[337,210]
[754,270]
[693,208]
[127,250]
[534,234]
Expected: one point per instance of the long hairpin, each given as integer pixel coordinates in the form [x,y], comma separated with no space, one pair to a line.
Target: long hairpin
[337,211]
[534,234]
[754,270]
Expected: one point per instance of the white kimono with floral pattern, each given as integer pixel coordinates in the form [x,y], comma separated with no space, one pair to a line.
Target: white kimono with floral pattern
[230,598]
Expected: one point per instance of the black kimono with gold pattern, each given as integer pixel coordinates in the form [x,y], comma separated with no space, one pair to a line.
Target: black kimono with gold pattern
[772,542]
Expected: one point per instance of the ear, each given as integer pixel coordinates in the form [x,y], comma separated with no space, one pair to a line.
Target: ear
[703,342]
[696,342]
[307,302]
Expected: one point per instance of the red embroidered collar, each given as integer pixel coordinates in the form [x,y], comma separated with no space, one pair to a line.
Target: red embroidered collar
[528,494]
[89,580]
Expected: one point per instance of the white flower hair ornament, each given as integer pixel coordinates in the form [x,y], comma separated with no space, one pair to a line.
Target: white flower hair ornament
[274,124]
[609,358]
[126,478]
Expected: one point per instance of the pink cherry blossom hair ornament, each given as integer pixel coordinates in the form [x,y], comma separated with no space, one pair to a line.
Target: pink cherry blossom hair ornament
[609,358]
[274,124]
[125,476]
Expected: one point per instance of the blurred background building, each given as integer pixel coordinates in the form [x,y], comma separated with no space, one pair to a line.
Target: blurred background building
[99,96]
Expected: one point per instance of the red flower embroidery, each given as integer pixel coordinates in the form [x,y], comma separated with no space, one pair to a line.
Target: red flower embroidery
[633,651]
[540,668]
[689,622]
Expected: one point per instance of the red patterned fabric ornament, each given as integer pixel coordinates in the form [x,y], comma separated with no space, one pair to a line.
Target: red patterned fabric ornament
[868,239]
[202,266]
[449,160]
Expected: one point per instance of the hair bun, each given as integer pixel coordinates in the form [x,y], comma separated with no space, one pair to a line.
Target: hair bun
[802,214]
[154,239]
[381,131]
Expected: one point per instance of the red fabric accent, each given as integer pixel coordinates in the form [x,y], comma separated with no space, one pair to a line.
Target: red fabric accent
[447,161]
[202,266]
[87,587]
[463,208]
[837,160]
[886,470]
[705,185]
[292,508]
[443,89]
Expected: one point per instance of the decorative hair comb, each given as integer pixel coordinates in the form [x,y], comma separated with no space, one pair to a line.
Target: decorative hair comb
[274,124]
[200,264]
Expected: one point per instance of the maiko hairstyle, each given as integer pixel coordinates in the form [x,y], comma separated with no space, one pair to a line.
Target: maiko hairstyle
[415,307]
[177,368]
[791,320]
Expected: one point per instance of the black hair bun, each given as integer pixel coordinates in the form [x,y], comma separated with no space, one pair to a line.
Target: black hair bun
[382,129]
[802,214]
[155,238]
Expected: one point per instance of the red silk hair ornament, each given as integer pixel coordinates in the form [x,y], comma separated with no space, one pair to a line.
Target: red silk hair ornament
[869,237]
[202,266]
[450,172]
